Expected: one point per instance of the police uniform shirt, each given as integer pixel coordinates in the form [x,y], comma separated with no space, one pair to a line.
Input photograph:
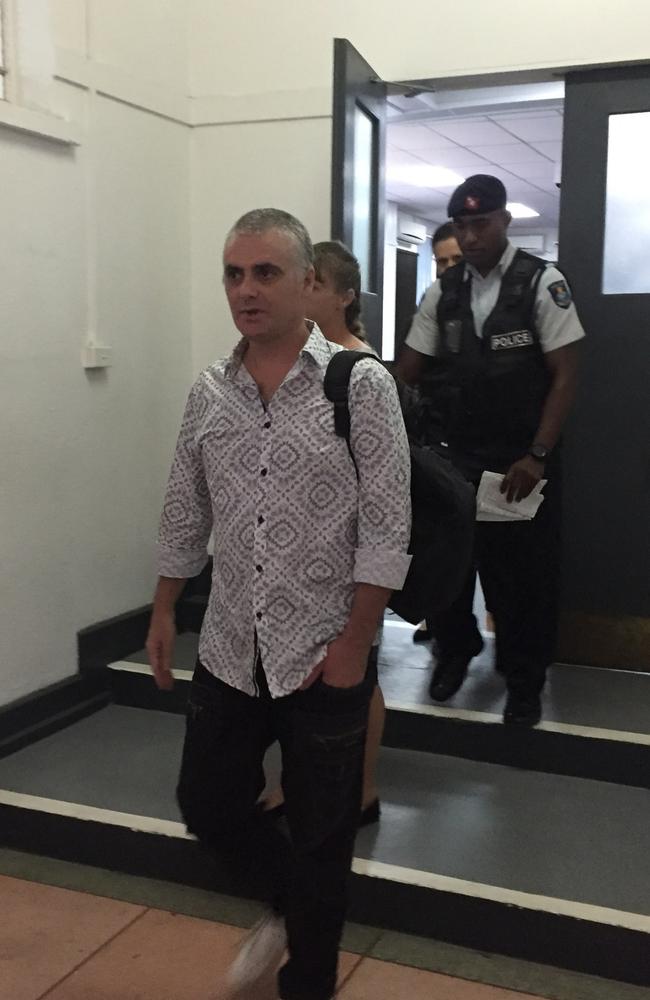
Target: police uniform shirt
[556,319]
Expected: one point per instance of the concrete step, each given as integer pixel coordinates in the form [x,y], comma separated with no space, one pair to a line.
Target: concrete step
[596,722]
[539,866]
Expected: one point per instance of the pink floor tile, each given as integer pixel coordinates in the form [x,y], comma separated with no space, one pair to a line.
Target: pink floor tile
[347,964]
[162,957]
[47,932]
[373,980]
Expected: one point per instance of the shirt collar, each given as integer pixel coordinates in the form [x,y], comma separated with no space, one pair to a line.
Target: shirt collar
[500,269]
[316,347]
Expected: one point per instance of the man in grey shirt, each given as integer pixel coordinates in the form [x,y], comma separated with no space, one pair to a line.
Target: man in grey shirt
[305,557]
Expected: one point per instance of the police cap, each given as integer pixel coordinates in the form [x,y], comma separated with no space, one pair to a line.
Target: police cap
[477,195]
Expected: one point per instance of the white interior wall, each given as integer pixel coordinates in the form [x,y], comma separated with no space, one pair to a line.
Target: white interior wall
[69,22]
[283,164]
[148,39]
[86,455]
[288,46]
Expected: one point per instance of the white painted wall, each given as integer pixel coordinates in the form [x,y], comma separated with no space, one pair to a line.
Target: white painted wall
[148,39]
[283,164]
[288,45]
[70,21]
[85,455]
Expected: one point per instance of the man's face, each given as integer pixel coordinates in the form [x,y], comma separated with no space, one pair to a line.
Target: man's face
[446,254]
[266,286]
[482,238]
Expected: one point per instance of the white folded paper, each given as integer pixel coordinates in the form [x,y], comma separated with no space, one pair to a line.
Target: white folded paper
[491,504]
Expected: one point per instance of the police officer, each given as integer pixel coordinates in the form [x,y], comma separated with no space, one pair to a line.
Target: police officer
[504,325]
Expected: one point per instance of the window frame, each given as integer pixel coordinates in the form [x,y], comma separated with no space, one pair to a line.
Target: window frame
[13,113]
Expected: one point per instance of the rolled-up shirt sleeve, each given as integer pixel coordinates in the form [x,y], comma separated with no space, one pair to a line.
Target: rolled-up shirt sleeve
[380,447]
[423,334]
[186,520]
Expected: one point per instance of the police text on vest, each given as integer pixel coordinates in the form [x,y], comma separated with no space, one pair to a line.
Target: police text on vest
[518,338]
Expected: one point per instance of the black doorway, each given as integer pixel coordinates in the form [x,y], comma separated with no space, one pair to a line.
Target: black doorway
[405,294]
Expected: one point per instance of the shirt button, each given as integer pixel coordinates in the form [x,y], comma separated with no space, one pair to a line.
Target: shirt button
[259,569]
[263,472]
[258,615]
[267,424]
[260,520]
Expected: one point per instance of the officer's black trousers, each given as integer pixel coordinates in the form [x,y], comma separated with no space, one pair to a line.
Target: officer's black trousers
[518,564]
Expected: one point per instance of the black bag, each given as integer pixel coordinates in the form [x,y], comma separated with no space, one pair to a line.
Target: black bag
[443,507]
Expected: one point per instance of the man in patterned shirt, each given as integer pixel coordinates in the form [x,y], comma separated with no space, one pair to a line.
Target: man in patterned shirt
[305,557]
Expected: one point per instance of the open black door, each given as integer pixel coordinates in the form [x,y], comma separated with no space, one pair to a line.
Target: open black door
[358,156]
[605,252]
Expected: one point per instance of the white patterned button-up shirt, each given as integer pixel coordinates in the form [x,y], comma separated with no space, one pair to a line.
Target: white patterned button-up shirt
[294,530]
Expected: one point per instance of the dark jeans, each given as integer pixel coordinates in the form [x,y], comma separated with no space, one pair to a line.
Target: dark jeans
[518,564]
[321,732]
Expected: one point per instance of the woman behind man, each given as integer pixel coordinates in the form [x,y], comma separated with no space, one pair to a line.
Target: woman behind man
[336,308]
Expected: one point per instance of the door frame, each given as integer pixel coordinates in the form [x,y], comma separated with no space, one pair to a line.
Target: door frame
[583,637]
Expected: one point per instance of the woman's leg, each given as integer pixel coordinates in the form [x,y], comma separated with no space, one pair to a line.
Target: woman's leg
[376,720]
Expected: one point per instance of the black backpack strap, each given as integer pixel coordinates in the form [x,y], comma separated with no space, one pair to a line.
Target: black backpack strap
[336,385]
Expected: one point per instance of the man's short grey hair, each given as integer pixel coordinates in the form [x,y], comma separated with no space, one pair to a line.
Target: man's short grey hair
[260,220]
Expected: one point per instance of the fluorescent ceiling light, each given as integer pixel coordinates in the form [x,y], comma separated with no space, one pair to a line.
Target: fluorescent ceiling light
[424,175]
[519,211]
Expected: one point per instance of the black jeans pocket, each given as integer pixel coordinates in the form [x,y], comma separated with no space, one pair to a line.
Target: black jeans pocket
[324,766]
[326,698]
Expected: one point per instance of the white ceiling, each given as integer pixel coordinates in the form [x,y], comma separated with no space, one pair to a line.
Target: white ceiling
[521,148]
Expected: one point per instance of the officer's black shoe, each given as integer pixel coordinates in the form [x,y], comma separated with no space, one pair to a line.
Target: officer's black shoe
[448,677]
[522,710]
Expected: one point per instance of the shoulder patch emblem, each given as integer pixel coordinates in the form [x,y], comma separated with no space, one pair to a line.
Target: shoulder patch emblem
[560,294]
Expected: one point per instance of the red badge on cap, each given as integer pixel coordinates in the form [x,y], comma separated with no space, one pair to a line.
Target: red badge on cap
[471,203]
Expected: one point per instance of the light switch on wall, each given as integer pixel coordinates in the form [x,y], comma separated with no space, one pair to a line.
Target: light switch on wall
[96,356]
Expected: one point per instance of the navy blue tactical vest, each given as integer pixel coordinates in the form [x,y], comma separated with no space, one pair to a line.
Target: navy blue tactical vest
[493,387]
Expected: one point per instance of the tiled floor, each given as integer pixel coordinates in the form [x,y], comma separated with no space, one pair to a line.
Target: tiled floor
[62,944]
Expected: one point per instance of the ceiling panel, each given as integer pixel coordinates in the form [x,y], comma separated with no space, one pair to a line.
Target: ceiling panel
[540,170]
[506,155]
[534,128]
[472,132]
[413,137]
[519,190]
[520,148]
[398,157]
[455,158]
[551,149]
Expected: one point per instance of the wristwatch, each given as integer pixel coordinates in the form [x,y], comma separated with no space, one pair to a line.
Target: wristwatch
[539,452]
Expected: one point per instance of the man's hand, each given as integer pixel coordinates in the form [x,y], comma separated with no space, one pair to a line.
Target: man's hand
[344,665]
[521,478]
[160,647]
